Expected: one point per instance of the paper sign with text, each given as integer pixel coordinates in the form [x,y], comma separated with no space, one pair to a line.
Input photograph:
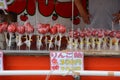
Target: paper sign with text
[3,4]
[67,60]
[1,61]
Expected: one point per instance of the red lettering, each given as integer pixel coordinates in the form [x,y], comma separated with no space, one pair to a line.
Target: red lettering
[78,55]
[31,7]
[63,9]
[61,55]
[56,67]
[53,55]
[69,55]
[54,61]
[46,9]
[17,6]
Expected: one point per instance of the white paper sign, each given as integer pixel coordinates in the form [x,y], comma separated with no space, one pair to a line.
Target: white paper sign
[67,60]
[1,61]
[3,4]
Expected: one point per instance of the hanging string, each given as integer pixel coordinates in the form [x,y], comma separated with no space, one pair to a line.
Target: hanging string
[119,22]
[73,72]
[72,30]
[112,25]
[48,75]
[36,18]
[72,15]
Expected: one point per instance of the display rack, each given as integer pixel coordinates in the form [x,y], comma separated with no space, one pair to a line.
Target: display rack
[46,52]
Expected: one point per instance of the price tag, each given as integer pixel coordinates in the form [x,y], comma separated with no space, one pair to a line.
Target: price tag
[1,61]
[67,60]
[3,4]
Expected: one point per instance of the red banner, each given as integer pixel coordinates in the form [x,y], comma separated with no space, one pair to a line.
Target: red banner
[63,9]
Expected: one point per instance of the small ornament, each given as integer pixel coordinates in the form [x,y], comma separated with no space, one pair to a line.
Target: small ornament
[76,21]
[54,17]
[24,17]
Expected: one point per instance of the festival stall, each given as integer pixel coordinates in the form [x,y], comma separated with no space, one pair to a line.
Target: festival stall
[40,43]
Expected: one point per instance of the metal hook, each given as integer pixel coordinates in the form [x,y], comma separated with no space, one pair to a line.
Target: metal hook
[77,77]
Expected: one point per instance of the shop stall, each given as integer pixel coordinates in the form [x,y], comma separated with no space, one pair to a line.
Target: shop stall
[40,43]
